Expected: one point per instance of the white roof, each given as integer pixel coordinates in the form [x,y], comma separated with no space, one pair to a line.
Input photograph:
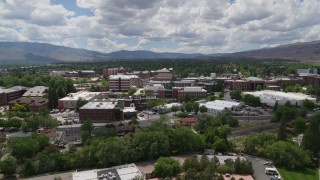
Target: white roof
[163,70]
[128,172]
[86,95]
[125,172]
[121,76]
[154,87]
[279,95]
[172,104]
[194,89]
[36,91]
[219,104]
[85,175]
[100,105]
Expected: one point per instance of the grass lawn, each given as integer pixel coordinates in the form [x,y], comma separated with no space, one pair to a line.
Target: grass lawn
[307,174]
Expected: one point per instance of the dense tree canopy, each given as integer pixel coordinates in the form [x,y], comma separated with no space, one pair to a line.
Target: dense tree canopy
[167,167]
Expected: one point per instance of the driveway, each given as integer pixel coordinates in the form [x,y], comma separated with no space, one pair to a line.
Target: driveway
[258,167]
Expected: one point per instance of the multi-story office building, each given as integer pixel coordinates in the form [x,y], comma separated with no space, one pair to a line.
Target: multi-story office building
[122,83]
[181,94]
[101,112]
[7,95]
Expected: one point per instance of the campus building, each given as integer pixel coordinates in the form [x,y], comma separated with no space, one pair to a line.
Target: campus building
[34,103]
[122,83]
[37,91]
[70,101]
[101,112]
[269,97]
[181,94]
[7,95]
[114,71]
[218,106]
[163,75]
[248,84]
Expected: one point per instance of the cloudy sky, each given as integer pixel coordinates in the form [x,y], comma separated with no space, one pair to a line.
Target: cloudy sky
[189,26]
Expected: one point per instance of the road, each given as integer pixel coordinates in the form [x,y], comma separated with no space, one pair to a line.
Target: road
[258,167]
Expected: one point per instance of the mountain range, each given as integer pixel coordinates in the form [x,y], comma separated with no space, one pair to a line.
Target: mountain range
[25,52]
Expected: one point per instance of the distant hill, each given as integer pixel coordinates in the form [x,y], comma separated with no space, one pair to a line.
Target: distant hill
[308,52]
[24,52]
[151,55]
[39,53]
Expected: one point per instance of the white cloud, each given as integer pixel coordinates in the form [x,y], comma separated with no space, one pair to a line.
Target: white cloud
[196,26]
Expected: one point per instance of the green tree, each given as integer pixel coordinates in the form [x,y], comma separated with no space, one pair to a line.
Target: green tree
[191,163]
[251,100]
[275,107]
[195,107]
[167,167]
[174,109]
[131,91]
[80,102]
[24,147]
[311,136]
[134,122]
[203,109]
[28,168]
[256,144]
[300,125]
[289,155]
[236,94]
[188,106]
[8,166]
[308,104]
[282,131]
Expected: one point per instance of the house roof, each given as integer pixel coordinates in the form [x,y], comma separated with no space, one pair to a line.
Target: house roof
[189,120]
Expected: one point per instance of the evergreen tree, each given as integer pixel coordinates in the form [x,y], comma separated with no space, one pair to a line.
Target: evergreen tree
[282,132]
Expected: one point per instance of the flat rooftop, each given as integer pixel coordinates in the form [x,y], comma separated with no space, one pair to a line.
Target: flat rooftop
[123,172]
[121,76]
[81,94]
[100,105]
[280,95]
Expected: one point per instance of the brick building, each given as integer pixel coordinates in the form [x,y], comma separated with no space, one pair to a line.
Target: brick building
[248,84]
[157,89]
[7,95]
[70,101]
[181,94]
[114,71]
[34,103]
[122,83]
[163,75]
[101,112]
